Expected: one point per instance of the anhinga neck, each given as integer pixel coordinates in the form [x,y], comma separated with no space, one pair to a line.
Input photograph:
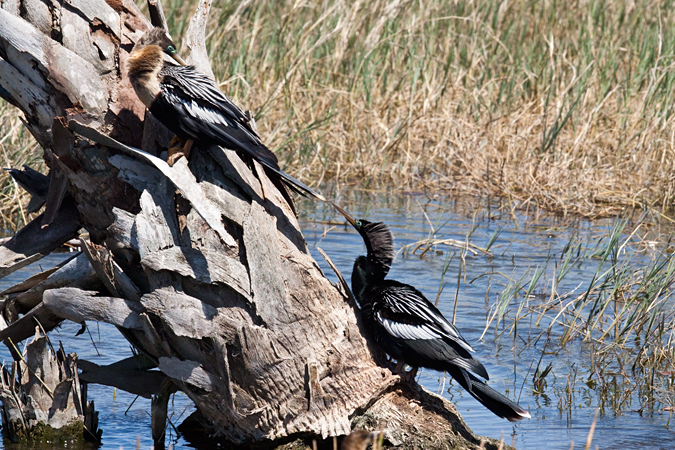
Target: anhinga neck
[144,67]
[380,245]
[366,273]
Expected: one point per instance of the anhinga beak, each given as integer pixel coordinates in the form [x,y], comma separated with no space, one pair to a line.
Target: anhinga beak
[349,218]
[178,59]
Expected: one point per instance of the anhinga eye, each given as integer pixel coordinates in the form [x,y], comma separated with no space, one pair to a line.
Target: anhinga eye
[171,49]
[358,223]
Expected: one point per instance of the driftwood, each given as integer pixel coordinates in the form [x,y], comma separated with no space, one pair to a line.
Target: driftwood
[202,266]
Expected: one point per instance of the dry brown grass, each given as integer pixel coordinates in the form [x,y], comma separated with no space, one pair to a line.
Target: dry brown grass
[17,147]
[521,99]
[567,107]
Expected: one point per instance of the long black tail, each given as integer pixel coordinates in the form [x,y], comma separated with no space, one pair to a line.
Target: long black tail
[244,140]
[292,183]
[491,399]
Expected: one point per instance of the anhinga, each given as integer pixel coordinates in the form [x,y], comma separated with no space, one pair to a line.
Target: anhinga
[410,328]
[191,105]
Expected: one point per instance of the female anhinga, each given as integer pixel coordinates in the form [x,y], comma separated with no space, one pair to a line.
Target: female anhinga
[410,328]
[191,105]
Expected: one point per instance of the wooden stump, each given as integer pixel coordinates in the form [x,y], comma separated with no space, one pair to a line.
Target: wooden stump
[43,399]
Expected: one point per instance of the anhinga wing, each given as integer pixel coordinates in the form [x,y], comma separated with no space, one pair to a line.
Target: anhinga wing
[202,112]
[406,313]
[191,105]
[200,87]
[419,327]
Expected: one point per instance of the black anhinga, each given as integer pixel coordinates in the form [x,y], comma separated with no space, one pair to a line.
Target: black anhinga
[410,328]
[191,105]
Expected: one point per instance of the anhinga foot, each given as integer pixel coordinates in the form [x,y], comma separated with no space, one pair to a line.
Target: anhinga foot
[408,376]
[176,141]
[175,152]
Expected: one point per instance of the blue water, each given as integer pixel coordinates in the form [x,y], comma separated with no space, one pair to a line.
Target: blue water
[123,417]
[525,242]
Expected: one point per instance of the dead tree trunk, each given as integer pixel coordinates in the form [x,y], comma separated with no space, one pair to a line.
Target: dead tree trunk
[202,267]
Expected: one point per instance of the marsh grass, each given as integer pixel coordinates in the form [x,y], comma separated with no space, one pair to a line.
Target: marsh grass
[622,321]
[567,107]
[17,147]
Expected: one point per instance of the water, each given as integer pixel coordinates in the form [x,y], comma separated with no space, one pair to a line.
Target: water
[123,417]
[524,242]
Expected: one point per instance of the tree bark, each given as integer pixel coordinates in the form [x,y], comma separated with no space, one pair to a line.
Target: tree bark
[201,266]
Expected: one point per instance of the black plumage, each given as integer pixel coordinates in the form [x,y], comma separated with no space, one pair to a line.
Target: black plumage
[191,105]
[410,328]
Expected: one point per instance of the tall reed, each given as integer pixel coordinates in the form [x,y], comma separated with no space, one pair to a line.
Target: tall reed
[567,107]
[622,321]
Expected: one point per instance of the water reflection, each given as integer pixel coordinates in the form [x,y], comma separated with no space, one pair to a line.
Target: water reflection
[523,242]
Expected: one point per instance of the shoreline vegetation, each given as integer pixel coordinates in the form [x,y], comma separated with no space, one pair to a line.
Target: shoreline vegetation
[517,99]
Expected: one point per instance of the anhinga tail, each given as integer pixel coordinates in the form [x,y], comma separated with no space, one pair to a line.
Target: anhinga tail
[491,399]
[293,183]
[496,402]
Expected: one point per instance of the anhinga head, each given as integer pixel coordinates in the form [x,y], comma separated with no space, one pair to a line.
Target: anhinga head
[379,243]
[146,60]
[156,37]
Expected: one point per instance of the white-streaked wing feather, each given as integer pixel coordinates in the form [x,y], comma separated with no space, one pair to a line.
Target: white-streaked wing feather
[197,85]
[206,114]
[404,299]
[203,98]
[407,331]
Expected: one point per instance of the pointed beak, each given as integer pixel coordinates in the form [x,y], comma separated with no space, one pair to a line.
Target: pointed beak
[349,218]
[178,59]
